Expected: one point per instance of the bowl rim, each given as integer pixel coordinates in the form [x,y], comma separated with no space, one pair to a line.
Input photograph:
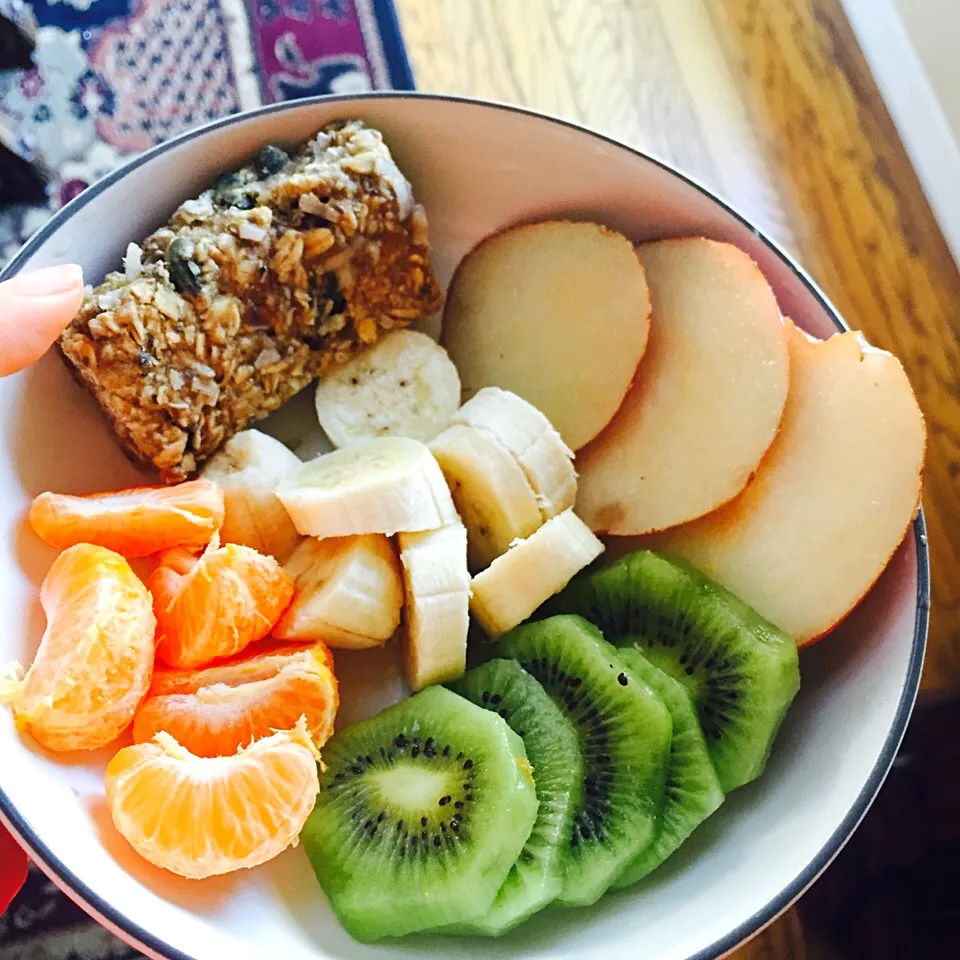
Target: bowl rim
[113,919]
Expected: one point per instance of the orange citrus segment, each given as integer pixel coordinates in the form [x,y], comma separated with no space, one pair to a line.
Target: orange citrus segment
[96,656]
[267,661]
[214,605]
[228,707]
[199,817]
[134,522]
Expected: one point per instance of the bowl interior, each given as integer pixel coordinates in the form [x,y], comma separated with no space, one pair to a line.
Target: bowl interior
[477,168]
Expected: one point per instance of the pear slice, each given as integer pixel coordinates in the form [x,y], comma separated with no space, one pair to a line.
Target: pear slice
[833,498]
[556,312]
[707,398]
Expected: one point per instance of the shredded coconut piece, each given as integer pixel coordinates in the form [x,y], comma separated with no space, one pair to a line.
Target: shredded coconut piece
[201,207]
[266,356]
[133,261]
[168,302]
[209,390]
[108,300]
[402,190]
[250,231]
[310,203]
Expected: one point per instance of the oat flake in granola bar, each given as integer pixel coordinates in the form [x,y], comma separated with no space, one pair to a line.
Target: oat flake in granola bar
[251,291]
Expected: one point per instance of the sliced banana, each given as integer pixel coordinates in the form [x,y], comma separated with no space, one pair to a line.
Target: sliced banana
[349,592]
[437,604]
[546,461]
[405,386]
[492,496]
[248,467]
[531,572]
[378,486]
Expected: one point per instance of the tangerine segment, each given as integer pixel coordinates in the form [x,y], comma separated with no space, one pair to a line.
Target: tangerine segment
[214,605]
[135,522]
[96,656]
[217,718]
[268,660]
[198,817]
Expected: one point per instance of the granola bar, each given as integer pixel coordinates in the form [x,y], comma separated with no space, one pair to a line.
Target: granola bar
[250,292]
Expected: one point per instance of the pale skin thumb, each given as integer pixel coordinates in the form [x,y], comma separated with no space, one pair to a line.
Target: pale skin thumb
[34,309]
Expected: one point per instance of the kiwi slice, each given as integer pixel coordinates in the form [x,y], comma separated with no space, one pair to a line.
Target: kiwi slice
[741,671]
[623,730]
[693,790]
[423,809]
[536,879]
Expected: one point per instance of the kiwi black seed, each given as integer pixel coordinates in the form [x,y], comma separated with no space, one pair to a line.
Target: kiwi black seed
[693,789]
[741,671]
[505,688]
[624,736]
[422,812]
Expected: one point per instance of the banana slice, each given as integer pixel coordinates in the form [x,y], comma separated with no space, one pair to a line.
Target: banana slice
[492,496]
[405,386]
[248,467]
[378,486]
[531,572]
[546,461]
[437,604]
[348,592]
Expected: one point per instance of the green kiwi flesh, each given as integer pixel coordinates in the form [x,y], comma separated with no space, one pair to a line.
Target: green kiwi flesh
[692,790]
[422,812]
[623,730]
[536,879]
[741,671]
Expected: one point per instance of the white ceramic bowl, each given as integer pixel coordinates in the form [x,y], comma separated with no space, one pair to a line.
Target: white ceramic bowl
[477,167]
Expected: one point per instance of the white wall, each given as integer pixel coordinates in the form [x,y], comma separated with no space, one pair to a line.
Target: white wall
[912,49]
[934,28]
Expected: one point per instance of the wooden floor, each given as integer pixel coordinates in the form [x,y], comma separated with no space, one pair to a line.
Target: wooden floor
[830,177]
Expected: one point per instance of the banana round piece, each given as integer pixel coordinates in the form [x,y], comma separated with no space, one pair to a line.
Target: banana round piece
[405,386]
[495,502]
[378,486]
[248,468]
[348,592]
[531,572]
[437,587]
[546,461]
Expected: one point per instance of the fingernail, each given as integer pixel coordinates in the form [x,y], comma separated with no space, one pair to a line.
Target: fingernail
[46,282]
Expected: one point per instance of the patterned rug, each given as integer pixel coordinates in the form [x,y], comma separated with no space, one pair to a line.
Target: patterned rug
[112,78]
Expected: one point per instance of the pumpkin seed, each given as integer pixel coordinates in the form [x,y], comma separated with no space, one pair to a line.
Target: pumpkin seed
[184,273]
[225,184]
[270,160]
[229,191]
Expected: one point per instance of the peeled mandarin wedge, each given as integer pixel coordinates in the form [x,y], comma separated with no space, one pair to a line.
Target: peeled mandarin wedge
[199,817]
[268,660]
[214,605]
[135,522]
[227,707]
[96,656]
